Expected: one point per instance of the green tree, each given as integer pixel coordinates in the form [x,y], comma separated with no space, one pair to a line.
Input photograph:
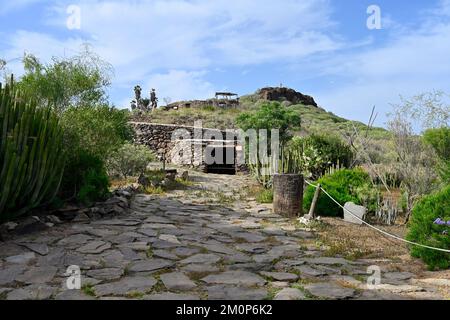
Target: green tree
[415,161]
[439,139]
[98,130]
[77,81]
[271,116]
[427,110]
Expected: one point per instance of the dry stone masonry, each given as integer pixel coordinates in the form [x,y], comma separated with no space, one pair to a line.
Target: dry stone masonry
[170,142]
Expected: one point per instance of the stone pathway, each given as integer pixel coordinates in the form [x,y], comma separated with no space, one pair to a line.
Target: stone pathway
[208,242]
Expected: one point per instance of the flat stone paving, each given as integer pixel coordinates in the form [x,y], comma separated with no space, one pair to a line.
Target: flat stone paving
[208,242]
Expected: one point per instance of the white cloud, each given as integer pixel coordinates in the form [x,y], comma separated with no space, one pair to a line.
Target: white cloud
[180,85]
[42,45]
[145,39]
[164,44]
[8,6]
[410,63]
[139,37]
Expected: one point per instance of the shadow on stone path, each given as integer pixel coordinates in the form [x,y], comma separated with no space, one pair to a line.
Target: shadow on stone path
[208,242]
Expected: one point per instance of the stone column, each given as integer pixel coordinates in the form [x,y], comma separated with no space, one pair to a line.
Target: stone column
[288,195]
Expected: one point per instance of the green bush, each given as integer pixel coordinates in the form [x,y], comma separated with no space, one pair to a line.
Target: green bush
[98,130]
[343,185]
[129,160]
[269,116]
[75,81]
[332,149]
[31,157]
[91,135]
[85,178]
[423,230]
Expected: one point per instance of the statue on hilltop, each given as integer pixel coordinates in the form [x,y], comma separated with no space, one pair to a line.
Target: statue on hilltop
[144,104]
[153,99]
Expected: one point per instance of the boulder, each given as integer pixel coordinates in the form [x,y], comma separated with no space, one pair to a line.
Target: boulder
[286,94]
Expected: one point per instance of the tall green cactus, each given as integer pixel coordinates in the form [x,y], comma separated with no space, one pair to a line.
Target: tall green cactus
[31,154]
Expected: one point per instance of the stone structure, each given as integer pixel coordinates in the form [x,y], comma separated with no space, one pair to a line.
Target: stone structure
[288,194]
[190,146]
[189,104]
[221,100]
[285,94]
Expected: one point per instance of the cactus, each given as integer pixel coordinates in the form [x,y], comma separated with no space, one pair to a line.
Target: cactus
[31,154]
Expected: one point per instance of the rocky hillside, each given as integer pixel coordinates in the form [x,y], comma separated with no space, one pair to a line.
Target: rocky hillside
[314,118]
[282,94]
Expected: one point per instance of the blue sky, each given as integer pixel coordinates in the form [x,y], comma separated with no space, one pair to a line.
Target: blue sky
[188,49]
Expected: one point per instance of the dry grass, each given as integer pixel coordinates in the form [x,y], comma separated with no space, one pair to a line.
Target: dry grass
[117,183]
[210,117]
[260,194]
[391,255]
[354,242]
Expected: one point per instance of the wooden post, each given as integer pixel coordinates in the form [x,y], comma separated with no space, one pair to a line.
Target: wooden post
[312,209]
[288,194]
[164,161]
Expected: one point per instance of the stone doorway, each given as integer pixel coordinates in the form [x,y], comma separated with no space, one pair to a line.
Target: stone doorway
[221,165]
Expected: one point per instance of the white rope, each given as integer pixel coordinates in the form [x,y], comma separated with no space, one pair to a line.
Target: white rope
[375,228]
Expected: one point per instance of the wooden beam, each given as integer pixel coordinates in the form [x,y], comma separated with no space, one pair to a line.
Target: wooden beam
[312,209]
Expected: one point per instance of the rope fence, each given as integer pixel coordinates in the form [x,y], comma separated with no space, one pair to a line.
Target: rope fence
[373,227]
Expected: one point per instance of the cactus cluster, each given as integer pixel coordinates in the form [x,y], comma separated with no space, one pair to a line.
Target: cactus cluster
[300,157]
[292,160]
[263,172]
[31,154]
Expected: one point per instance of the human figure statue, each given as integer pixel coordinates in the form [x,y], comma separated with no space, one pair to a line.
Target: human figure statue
[133,105]
[138,96]
[153,100]
[138,92]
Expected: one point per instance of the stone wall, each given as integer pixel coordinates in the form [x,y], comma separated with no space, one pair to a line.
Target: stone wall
[190,104]
[168,140]
[223,103]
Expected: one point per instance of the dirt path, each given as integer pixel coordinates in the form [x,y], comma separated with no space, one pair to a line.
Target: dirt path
[208,242]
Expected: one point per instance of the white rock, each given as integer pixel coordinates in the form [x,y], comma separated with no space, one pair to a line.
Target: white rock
[356,210]
[169,238]
[290,294]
